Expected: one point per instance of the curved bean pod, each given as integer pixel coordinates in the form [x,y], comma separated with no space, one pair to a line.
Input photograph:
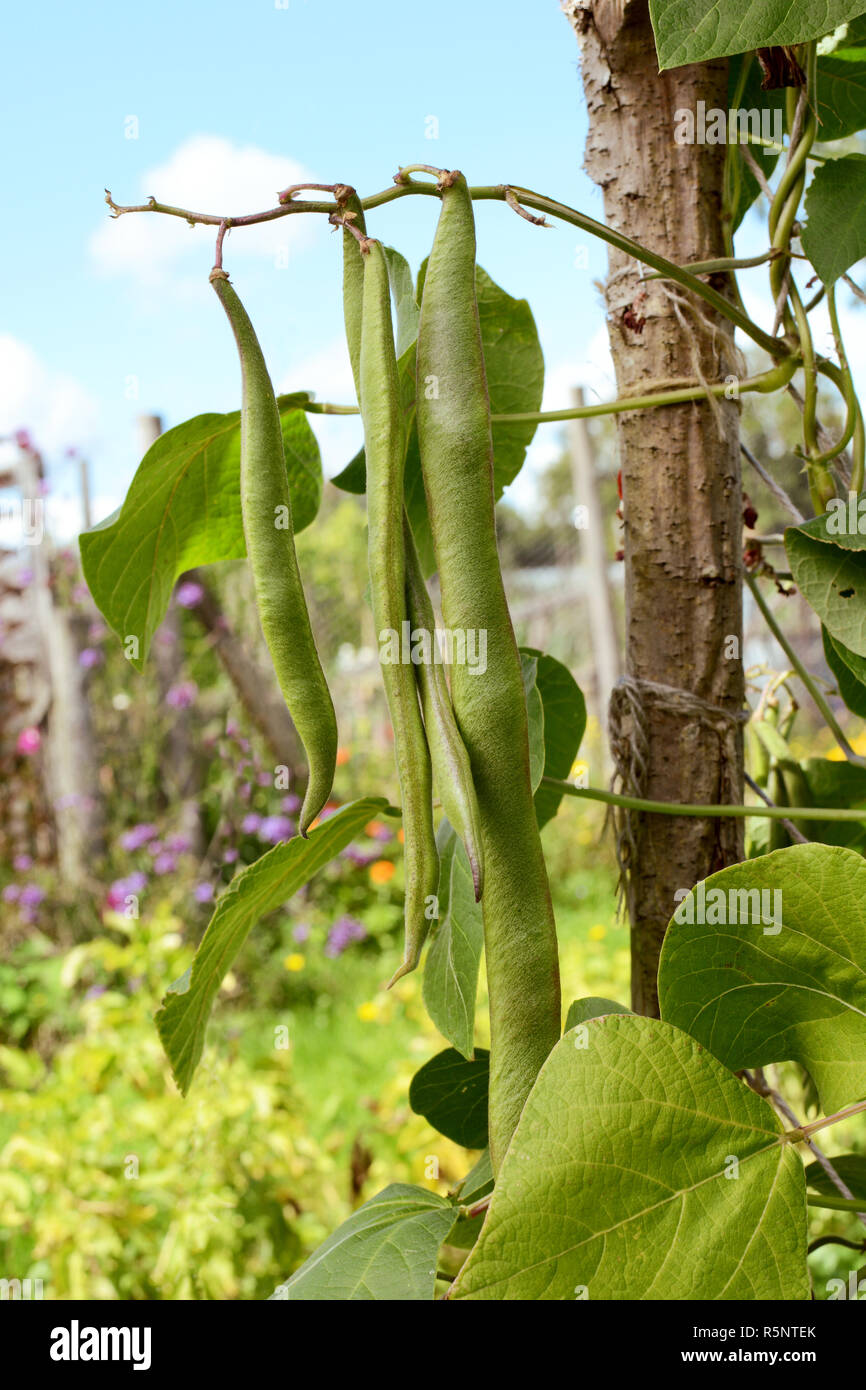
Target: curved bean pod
[384,445]
[452,773]
[267,511]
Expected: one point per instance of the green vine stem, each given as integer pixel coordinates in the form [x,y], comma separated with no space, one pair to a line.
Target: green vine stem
[674,808]
[765,382]
[826,712]
[496,192]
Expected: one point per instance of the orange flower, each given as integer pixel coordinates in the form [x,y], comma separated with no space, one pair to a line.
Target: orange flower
[400,836]
[372,828]
[343,756]
[382,871]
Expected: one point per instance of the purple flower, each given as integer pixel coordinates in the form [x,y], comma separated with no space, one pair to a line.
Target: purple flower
[182,695]
[31,895]
[80,593]
[164,863]
[357,856]
[11,893]
[89,657]
[291,803]
[251,823]
[136,881]
[189,594]
[301,932]
[382,833]
[263,779]
[179,844]
[25,577]
[137,836]
[95,991]
[344,931]
[273,829]
[22,863]
[124,888]
[96,631]
[203,892]
[230,856]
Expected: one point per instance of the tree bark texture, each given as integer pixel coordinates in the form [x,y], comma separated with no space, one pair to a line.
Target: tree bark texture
[680,464]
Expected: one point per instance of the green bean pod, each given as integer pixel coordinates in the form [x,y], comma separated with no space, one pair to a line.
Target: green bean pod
[267,519]
[353,287]
[384,444]
[453,413]
[452,773]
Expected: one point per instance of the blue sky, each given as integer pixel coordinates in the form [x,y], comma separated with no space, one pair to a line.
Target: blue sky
[232,101]
[104,320]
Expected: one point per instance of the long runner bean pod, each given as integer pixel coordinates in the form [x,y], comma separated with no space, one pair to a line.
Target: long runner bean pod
[384,445]
[453,411]
[452,773]
[267,519]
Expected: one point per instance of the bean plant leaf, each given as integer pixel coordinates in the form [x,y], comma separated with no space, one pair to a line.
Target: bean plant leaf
[850,672]
[181,1020]
[594,1006]
[851,1169]
[450,1091]
[830,572]
[183,509]
[692,31]
[772,966]
[836,784]
[406,309]
[478,1181]
[456,943]
[841,89]
[564,727]
[642,1169]
[834,237]
[385,1252]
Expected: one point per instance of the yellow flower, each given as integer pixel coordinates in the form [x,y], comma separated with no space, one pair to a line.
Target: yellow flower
[368,1012]
[295,961]
[597,933]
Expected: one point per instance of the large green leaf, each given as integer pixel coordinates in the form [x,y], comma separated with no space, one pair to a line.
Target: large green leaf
[693,31]
[183,509]
[642,1169]
[564,726]
[263,886]
[830,572]
[385,1252]
[451,1093]
[456,943]
[851,1169]
[790,989]
[834,237]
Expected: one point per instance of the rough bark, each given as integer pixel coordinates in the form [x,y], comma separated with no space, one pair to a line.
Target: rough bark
[680,464]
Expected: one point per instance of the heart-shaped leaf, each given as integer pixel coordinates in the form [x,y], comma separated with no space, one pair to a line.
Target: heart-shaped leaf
[834,238]
[642,1169]
[183,508]
[851,1168]
[385,1252]
[766,962]
[564,726]
[451,1093]
[691,31]
[594,1006]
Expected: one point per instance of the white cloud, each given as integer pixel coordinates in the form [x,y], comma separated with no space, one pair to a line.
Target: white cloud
[52,406]
[205,174]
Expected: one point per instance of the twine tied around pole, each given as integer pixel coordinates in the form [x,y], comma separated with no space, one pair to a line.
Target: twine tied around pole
[629,747]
